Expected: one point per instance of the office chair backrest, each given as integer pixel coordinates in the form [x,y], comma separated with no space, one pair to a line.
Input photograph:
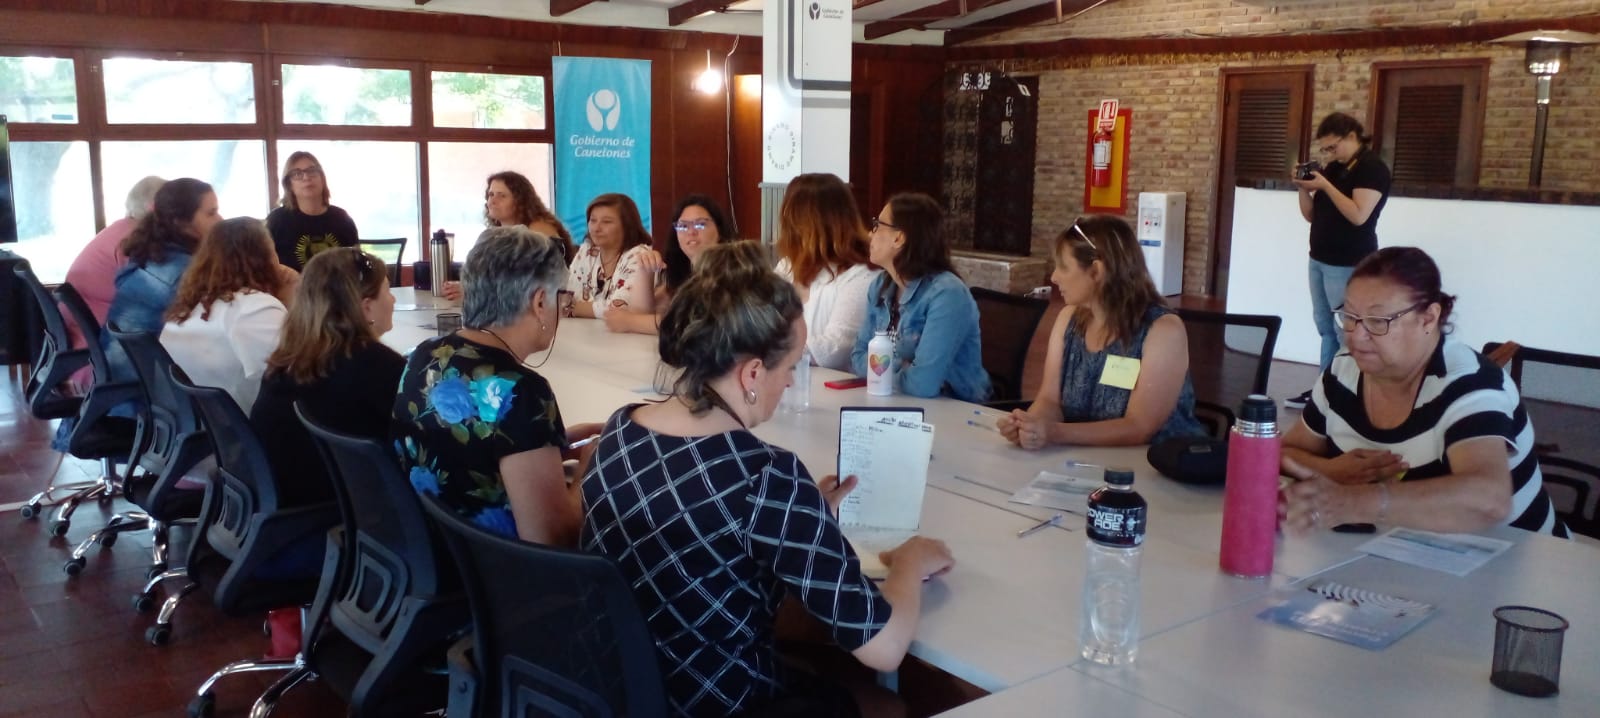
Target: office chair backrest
[88,326]
[557,632]
[390,251]
[57,360]
[55,325]
[1558,391]
[243,475]
[169,426]
[1230,357]
[1006,324]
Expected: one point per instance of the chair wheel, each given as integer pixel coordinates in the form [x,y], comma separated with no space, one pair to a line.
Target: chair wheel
[74,566]
[203,706]
[29,511]
[160,636]
[266,628]
[60,528]
[143,602]
[108,540]
[156,569]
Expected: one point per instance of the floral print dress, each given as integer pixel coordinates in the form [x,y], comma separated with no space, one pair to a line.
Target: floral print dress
[461,408]
[628,281]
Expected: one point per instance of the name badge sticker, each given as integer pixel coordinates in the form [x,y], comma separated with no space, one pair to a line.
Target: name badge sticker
[1120,372]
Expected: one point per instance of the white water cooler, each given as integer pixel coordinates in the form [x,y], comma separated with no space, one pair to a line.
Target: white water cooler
[1160,234]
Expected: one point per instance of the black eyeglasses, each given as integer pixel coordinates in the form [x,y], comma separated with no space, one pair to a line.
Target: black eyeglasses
[1084,235]
[304,173]
[876,223]
[1375,325]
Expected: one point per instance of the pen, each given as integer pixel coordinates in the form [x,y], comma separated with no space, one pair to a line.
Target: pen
[1052,521]
[984,421]
[983,425]
[583,442]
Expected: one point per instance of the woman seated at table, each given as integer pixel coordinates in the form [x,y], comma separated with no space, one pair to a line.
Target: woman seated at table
[1117,368]
[509,199]
[615,268]
[921,302]
[731,523]
[1411,427]
[474,424]
[701,224]
[305,224]
[822,249]
[230,306]
[331,361]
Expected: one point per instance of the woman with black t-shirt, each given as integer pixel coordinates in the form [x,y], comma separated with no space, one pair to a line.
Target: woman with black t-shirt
[306,224]
[1342,202]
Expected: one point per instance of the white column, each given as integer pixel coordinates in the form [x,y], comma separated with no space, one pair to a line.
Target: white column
[805,93]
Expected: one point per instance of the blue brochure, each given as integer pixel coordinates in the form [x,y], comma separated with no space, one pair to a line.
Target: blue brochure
[1356,616]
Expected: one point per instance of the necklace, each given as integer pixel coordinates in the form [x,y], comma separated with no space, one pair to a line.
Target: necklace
[513,352]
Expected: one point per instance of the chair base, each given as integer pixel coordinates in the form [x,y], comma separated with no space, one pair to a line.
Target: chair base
[296,670]
[105,488]
[107,537]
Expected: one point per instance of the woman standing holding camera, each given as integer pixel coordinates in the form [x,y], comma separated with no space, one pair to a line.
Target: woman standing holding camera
[1342,201]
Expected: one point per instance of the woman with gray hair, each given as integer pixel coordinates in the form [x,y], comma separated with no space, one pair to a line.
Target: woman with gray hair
[473,423]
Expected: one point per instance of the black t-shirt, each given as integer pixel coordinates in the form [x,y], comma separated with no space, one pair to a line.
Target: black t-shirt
[1334,240]
[355,398]
[299,236]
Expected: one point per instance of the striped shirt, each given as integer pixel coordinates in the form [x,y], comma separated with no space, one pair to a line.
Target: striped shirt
[1463,396]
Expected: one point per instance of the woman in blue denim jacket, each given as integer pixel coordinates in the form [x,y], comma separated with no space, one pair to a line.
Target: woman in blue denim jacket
[921,301]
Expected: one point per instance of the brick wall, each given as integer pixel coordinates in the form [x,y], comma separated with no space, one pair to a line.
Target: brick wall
[1174,98]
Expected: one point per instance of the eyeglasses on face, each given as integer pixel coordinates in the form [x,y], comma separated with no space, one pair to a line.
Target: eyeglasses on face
[1084,235]
[875,223]
[1375,325]
[698,225]
[305,173]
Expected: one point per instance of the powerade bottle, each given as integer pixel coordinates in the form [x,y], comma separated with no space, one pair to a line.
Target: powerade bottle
[1109,629]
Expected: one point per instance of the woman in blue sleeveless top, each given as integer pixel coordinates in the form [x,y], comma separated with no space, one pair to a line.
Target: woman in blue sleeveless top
[1117,370]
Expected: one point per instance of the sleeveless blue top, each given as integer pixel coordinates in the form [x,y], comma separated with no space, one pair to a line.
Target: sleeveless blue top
[1084,398]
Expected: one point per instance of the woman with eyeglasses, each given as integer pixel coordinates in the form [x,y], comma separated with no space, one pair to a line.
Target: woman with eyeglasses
[701,224]
[477,426]
[615,268]
[1116,372]
[1411,427]
[822,249]
[305,224]
[1342,201]
[921,302]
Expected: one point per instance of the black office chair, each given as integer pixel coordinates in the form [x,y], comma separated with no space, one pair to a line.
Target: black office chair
[396,603]
[570,642]
[174,443]
[1230,357]
[1568,445]
[1007,323]
[50,395]
[388,250]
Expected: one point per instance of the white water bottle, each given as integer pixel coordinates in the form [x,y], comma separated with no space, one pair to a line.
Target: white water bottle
[880,364]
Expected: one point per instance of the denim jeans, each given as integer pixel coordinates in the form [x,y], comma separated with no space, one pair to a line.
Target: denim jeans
[1327,294]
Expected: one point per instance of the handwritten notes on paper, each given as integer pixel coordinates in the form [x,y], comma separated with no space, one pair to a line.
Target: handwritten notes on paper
[888,454]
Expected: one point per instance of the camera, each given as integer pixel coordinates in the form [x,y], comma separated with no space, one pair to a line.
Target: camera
[1303,170]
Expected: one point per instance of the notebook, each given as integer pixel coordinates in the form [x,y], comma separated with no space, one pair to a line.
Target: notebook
[887,449]
[1357,616]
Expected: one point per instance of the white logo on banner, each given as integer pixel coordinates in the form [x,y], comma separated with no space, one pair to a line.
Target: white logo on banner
[604,109]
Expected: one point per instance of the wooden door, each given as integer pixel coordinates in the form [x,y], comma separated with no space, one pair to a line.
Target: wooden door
[1265,132]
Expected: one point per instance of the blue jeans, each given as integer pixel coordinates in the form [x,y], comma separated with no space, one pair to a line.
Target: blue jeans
[1327,294]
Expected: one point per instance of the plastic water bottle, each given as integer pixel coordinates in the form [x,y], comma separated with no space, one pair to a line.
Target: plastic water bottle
[880,364]
[1109,629]
[797,397]
[1250,498]
[439,255]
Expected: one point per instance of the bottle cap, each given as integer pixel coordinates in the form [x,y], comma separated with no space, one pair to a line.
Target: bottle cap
[1118,476]
[1258,409]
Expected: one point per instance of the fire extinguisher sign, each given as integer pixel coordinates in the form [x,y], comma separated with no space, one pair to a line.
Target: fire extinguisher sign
[1108,115]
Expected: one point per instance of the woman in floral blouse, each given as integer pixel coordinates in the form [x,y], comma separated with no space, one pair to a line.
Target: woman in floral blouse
[474,424]
[615,267]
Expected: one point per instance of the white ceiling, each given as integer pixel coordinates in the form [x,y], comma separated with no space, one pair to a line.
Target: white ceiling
[742,18]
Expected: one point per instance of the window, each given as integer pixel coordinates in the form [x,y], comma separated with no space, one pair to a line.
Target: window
[55,215]
[178,92]
[38,89]
[1429,120]
[457,172]
[375,182]
[337,95]
[485,101]
[236,169]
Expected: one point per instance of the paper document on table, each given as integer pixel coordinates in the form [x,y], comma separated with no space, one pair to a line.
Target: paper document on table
[1065,492]
[1455,554]
[1356,616]
[888,453]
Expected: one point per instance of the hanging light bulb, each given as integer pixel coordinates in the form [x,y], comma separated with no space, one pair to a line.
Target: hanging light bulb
[710,81]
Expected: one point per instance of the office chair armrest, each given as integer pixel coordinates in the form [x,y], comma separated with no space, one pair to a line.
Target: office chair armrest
[62,365]
[463,700]
[423,626]
[333,579]
[273,532]
[103,398]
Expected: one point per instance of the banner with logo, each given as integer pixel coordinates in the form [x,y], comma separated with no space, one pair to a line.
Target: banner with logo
[602,145]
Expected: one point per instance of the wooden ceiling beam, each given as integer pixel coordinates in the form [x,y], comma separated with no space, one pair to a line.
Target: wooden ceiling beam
[922,17]
[562,7]
[686,11]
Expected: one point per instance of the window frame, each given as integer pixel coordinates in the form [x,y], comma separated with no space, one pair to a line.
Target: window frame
[1469,169]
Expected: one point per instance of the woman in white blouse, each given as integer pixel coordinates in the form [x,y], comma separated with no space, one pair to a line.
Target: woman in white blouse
[822,246]
[230,306]
[615,267]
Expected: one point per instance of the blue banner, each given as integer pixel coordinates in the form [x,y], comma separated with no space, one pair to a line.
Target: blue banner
[602,142]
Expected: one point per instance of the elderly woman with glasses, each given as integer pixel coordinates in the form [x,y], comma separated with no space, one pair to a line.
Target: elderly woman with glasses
[305,224]
[1411,427]
[474,424]
[1117,370]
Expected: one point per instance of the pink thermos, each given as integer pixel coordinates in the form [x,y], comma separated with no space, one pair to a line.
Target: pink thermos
[1250,498]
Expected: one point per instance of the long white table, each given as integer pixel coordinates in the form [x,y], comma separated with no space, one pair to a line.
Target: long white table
[1006,619]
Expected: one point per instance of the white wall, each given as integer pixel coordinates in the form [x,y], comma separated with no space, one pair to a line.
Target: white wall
[1524,272]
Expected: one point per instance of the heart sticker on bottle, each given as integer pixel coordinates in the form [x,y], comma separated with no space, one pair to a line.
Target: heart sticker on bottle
[879,363]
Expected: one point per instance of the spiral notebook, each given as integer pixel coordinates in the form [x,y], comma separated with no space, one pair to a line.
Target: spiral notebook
[888,450]
[1353,615]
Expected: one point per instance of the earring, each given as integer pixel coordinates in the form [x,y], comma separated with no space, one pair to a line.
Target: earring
[750,397]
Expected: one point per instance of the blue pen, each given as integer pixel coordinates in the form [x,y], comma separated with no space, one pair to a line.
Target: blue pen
[1052,521]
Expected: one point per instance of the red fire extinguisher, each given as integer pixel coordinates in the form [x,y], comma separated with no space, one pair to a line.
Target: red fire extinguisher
[1101,174]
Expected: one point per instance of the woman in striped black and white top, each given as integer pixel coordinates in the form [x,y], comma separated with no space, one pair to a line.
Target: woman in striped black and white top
[1407,402]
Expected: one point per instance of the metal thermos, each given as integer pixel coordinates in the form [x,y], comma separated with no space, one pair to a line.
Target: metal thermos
[1250,498]
[439,255]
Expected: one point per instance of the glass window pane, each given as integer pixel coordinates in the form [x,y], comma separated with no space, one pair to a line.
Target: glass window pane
[38,89]
[484,101]
[375,182]
[55,210]
[456,175]
[335,95]
[236,169]
[178,92]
